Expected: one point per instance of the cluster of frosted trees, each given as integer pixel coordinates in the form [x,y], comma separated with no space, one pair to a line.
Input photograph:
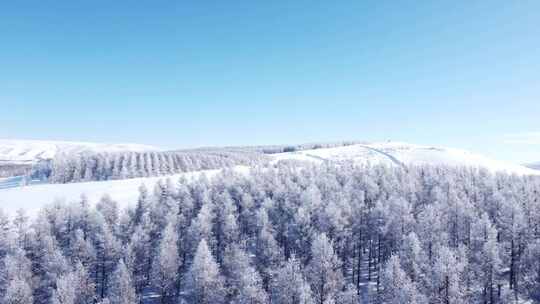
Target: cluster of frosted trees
[300,147]
[77,167]
[106,166]
[286,235]
[7,170]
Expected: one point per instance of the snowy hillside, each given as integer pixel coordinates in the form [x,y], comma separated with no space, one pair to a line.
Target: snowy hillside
[232,210]
[32,197]
[125,192]
[533,165]
[403,154]
[28,151]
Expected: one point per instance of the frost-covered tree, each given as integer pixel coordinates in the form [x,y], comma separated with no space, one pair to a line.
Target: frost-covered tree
[140,253]
[204,282]
[290,285]
[107,250]
[531,269]
[447,277]
[16,277]
[268,254]
[289,233]
[20,226]
[398,287]
[244,284]
[348,296]
[18,292]
[143,204]
[201,227]
[109,210]
[121,290]
[84,285]
[167,262]
[82,250]
[48,263]
[66,289]
[413,258]
[226,227]
[324,270]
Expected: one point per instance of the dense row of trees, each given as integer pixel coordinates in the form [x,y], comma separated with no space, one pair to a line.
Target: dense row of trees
[106,166]
[310,234]
[8,169]
[91,166]
[272,149]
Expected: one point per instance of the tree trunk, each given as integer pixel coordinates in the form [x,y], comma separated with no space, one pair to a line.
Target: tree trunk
[512,261]
[359,263]
[370,256]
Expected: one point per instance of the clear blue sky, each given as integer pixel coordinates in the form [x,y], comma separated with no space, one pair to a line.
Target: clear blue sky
[464,74]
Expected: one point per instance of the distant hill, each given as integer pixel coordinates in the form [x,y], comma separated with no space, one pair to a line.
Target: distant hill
[67,162]
[404,154]
[28,151]
[17,156]
[114,173]
[535,166]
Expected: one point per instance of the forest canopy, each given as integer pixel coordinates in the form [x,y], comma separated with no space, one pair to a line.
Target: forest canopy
[290,234]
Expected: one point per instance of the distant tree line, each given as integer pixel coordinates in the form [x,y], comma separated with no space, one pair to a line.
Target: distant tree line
[273,149]
[91,166]
[287,235]
[11,169]
[68,168]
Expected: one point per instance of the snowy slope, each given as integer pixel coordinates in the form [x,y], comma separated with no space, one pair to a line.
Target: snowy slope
[125,192]
[533,165]
[33,197]
[403,154]
[28,151]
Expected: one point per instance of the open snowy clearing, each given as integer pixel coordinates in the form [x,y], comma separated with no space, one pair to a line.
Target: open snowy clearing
[125,192]
[32,198]
[403,154]
[533,165]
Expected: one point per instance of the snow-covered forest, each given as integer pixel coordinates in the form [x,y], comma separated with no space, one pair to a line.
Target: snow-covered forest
[67,168]
[286,234]
[97,166]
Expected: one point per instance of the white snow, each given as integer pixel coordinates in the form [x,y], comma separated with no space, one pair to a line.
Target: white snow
[28,151]
[403,154]
[535,165]
[125,192]
[32,198]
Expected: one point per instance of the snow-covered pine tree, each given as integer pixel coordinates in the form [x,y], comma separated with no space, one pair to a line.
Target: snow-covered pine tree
[244,284]
[324,270]
[204,282]
[167,263]
[121,290]
[397,286]
[290,286]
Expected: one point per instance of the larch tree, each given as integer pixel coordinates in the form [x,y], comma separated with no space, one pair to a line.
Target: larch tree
[18,292]
[398,287]
[167,262]
[66,289]
[121,289]
[244,284]
[447,277]
[204,282]
[290,285]
[324,270]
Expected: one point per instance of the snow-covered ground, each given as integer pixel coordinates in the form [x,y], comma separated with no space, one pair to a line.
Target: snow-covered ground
[533,165]
[28,151]
[403,154]
[125,192]
[33,197]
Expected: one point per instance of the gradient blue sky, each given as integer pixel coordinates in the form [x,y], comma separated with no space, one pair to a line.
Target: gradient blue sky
[177,74]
